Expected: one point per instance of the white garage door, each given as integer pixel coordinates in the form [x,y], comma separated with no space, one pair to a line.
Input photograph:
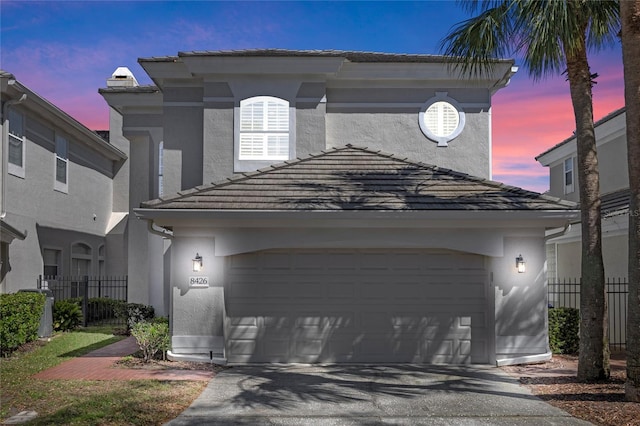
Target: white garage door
[357,306]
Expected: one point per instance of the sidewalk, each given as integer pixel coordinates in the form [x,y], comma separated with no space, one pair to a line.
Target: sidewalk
[99,365]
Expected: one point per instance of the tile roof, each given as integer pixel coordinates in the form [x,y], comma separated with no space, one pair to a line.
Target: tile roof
[353,178]
[353,56]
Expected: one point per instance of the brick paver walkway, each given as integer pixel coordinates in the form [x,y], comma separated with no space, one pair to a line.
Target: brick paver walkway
[98,365]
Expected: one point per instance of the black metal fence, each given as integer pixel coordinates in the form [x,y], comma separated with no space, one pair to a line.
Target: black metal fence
[566,293]
[100,297]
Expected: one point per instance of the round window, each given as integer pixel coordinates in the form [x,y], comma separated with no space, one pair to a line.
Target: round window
[441,119]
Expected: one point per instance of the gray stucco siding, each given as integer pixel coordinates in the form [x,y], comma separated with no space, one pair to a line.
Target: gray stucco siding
[25,257]
[310,128]
[89,193]
[217,150]
[614,173]
[468,153]
[521,298]
[183,134]
[183,94]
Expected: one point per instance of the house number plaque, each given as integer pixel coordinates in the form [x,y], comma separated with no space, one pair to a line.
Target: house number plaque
[198,281]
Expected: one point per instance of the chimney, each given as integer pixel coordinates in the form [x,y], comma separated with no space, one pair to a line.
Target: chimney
[122,77]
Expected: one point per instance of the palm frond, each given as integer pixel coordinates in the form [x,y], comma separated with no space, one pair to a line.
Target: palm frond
[474,45]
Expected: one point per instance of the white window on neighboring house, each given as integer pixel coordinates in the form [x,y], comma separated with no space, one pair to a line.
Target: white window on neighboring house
[101,257]
[17,143]
[61,182]
[80,267]
[264,129]
[51,258]
[80,259]
[569,177]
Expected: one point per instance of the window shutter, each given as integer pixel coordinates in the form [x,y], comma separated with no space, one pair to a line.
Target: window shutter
[442,119]
[277,117]
[264,129]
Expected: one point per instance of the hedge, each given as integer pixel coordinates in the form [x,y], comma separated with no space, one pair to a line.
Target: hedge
[103,308]
[564,324]
[134,313]
[20,315]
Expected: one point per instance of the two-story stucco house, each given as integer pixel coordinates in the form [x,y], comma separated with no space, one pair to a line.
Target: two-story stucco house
[57,189]
[563,251]
[327,206]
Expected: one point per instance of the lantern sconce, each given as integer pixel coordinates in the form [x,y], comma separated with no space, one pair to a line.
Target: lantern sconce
[520,264]
[197,263]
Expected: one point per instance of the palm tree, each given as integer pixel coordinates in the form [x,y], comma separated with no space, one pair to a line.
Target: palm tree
[630,35]
[553,36]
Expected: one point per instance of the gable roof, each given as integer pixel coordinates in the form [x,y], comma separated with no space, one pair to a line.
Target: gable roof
[353,178]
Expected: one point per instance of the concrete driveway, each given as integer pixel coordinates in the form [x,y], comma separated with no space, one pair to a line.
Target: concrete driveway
[368,395]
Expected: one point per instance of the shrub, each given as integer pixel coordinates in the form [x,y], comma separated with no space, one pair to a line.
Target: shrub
[20,315]
[134,313]
[67,315]
[152,337]
[102,308]
[564,324]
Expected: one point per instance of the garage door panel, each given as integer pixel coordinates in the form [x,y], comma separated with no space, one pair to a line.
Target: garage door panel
[277,347]
[345,261]
[357,306]
[341,290]
[247,288]
[242,348]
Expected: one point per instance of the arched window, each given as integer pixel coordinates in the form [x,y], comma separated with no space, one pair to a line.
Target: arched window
[263,129]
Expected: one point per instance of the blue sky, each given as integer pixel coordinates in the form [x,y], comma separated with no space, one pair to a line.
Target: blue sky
[65,51]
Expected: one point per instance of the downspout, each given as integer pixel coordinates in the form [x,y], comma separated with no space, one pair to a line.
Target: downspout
[5,145]
[163,232]
[567,228]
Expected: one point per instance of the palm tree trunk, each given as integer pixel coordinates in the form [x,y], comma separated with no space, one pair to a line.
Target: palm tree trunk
[593,362]
[630,19]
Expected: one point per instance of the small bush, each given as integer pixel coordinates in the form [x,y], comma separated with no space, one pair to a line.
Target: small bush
[564,324]
[152,337]
[103,308]
[134,313]
[20,315]
[67,315]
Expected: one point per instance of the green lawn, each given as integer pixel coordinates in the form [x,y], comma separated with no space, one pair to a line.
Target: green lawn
[82,402]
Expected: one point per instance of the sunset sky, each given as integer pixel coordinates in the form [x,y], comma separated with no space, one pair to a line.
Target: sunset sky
[65,51]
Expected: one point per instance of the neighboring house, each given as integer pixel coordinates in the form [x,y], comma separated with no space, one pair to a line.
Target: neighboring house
[372,231]
[57,189]
[564,251]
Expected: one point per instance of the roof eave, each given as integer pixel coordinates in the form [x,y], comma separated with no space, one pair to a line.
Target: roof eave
[357,218]
[43,107]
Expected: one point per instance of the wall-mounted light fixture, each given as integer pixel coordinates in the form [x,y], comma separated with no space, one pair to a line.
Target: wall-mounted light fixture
[197,263]
[520,264]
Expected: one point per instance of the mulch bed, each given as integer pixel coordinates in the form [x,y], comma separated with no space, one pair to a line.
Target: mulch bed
[136,361]
[600,402]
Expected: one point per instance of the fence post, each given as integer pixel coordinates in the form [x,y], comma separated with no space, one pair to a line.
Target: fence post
[85,299]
